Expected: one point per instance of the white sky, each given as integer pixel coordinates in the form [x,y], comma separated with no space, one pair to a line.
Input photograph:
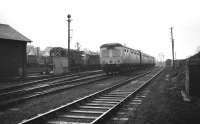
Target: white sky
[140,24]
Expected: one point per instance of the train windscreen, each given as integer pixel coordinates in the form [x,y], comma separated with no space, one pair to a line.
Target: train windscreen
[116,52]
[111,52]
[104,53]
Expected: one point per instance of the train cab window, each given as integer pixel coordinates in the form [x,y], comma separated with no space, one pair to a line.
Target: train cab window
[116,52]
[105,53]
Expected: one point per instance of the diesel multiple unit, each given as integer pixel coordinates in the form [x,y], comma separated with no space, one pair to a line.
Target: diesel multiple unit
[114,57]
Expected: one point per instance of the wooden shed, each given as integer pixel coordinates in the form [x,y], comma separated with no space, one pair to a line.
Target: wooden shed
[193,78]
[12,52]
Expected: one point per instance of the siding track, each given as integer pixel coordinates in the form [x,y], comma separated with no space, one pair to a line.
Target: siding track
[14,97]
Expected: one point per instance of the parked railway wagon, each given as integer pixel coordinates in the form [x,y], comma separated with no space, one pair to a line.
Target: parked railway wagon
[38,64]
[91,61]
[79,60]
[114,57]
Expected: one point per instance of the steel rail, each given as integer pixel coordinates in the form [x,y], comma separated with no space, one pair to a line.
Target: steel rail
[34,82]
[47,85]
[41,117]
[102,118]
[7,103]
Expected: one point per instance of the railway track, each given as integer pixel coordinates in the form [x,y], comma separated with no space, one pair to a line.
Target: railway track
[97,107]
[13,97]
[35,82]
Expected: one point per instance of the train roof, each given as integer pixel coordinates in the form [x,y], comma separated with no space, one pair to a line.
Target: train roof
[111,45]
[120,45]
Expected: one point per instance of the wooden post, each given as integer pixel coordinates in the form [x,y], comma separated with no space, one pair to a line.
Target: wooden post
[172,47]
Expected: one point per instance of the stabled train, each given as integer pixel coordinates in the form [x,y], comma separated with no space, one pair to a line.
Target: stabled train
[114,57]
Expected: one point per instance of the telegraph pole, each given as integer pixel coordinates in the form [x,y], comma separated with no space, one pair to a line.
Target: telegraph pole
[69,56]
[172,46]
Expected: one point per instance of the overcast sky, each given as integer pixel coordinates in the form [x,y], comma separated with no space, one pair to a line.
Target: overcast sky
[140,24]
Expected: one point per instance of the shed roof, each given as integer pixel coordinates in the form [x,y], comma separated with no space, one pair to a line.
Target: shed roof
[7,32]
[195,56]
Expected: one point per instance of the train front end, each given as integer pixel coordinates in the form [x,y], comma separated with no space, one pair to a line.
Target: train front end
[111,57]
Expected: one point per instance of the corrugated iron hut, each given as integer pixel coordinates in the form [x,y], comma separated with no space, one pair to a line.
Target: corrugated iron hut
[12,52]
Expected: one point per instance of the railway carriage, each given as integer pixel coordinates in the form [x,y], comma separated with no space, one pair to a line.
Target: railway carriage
[114,57]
